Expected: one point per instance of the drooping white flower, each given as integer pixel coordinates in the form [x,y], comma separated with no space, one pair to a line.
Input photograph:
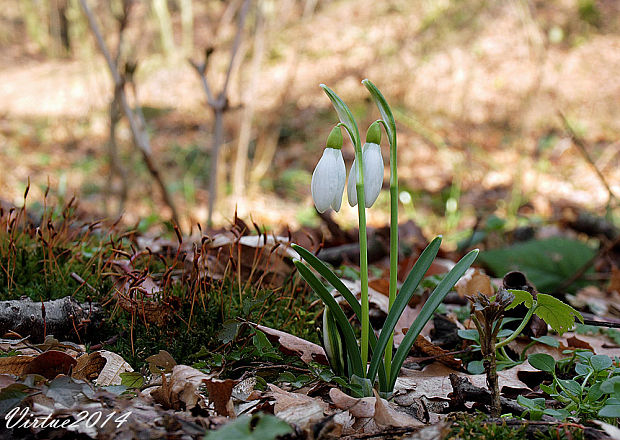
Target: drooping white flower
[328,180]
[373,175]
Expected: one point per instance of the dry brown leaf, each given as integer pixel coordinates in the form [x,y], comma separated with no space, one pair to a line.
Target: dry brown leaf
[614,281]
[598,344]
[14,364]
[426,347]
[381,285]
[183,391]
[220,392]
[161,362]
[111,372]
[296,408]
[136,294]
[474,282]
[386,416]
[358,407]
[260,258]
[89,366]
[519,344]
[433,382]
[50,364]
[295,346]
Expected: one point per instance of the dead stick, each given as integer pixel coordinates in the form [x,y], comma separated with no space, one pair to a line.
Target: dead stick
[582,148]
[583,269]
[140,136]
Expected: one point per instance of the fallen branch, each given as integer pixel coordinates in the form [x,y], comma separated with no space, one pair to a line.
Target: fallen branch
[64,318]
[464,391]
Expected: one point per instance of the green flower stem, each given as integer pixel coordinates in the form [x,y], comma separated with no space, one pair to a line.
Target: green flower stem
[393,239]
[361,209]
[519,329]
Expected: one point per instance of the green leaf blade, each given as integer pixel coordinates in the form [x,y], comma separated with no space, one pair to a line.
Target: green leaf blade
[384,109]
[428,310]
[521,297]
[560,316]
[542,362]
[418,271]
[345,116]
[341,319]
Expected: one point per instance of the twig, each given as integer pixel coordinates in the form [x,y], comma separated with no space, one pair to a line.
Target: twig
[219,105]
[140,136]
[581,146]
[583,269]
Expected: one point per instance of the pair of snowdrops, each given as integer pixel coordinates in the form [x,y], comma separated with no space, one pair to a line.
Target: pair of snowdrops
[328,178]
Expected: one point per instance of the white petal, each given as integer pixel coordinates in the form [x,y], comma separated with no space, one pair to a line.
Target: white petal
[341,173]
[328,179]
[351,190]
[373,173]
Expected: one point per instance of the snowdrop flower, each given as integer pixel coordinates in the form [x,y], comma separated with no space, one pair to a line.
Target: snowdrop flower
[373,169]
[329,175]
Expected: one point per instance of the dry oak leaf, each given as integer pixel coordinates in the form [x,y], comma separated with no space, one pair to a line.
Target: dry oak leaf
[111,372]
[363,407]
[50,364]
[182,389]
[426,347]
[296,408]
[14,364]
[598,344]
[433,382]
[162,361]
[293,345]
[89,366]
[220,391]
[473,282]
[387,416]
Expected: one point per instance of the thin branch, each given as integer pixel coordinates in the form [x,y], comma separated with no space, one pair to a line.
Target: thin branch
[581,146]
[219,105]
[140,136]
[236,43]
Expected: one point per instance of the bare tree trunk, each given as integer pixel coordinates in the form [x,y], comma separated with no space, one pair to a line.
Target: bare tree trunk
[160,9]
[219,106]
[239,174]
[187,24]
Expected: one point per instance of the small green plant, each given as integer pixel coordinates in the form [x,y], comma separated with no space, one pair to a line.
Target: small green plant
[488,316]
[346,357]
[594,391]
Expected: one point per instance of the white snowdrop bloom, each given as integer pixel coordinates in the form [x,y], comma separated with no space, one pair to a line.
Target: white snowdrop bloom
[373,175]
[328,180]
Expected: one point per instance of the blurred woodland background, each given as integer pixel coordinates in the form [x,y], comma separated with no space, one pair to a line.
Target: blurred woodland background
[181,109]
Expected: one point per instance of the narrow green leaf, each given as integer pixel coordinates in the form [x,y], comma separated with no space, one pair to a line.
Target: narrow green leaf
[345,116]
[333,343]
[560,316]
[542,361]
[428,310]
[341,319]
[521,296]
[337,284]
[384,109]
[330,276]
[402,299]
